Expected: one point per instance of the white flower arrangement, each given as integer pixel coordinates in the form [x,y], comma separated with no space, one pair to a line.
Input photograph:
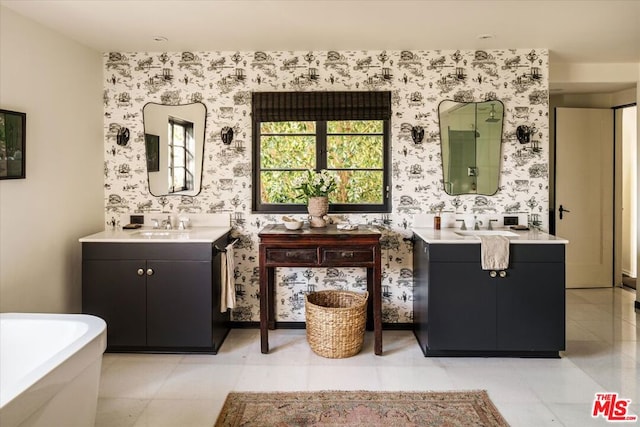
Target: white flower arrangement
[315,184]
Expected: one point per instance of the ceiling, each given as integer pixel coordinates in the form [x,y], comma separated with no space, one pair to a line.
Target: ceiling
[589,31]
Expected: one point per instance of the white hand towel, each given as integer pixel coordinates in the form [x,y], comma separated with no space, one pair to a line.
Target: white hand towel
[227,285]
[494,252]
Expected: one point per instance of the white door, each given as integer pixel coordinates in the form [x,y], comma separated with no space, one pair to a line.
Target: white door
[584,194]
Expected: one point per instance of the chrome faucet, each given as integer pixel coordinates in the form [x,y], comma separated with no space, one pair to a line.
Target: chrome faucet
[183,223]
[476,223]
[167,223]
[463,226]
[490,227]
[534,222]
[155,224]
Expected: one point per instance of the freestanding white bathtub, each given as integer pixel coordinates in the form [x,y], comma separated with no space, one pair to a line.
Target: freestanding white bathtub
[50,369]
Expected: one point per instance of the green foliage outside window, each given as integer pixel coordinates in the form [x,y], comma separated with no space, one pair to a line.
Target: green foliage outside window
[279,186]
[354,156]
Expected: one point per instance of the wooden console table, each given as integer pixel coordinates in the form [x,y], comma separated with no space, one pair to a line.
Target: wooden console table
[319,247]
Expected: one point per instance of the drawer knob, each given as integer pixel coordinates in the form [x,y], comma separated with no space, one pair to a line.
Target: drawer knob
[493,273]
[140,272]
[149,272]
[503,274]
[346,254]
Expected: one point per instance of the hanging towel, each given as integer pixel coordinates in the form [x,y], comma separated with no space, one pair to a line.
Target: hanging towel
[494,252]
[227,287]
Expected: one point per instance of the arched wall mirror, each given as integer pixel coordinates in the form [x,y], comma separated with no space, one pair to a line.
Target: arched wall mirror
[174,147]
[471,138]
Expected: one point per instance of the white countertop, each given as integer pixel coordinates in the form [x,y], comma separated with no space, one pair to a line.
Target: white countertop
[448,235]
[149,235]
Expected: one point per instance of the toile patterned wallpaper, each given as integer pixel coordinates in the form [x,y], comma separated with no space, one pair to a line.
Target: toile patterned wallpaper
[418,80]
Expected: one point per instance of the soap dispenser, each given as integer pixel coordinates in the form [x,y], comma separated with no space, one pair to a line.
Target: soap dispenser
[437,221]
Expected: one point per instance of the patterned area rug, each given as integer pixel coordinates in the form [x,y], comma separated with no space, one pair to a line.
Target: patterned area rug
[360,408]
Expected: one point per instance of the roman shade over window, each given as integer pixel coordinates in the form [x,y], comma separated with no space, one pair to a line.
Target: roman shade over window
[314,106]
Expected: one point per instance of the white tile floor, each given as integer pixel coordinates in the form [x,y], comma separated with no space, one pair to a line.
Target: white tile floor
[602,355]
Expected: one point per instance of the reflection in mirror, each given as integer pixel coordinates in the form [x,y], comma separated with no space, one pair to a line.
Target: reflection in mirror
[471,137]
[174,147]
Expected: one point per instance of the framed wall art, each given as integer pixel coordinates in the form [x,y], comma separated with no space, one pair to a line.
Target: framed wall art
[12,144]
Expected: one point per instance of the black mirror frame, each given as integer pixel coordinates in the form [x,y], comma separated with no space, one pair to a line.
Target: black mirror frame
[462,103]
[149,144]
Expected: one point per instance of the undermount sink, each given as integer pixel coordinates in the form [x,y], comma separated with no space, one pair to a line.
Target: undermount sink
[485,233]
[162,234]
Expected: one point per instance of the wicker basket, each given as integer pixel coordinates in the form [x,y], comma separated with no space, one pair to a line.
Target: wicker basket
[336,322]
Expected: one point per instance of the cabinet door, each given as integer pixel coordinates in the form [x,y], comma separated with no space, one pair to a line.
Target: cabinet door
[179,304]
[114,291]
[462,307]
[531,307]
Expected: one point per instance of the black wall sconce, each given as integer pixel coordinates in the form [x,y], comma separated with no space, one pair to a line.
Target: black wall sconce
[122,138]
[523,133]
[227,135]
[417,134]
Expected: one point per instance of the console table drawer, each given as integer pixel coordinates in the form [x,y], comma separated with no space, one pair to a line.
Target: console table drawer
[292,256]
[347,255]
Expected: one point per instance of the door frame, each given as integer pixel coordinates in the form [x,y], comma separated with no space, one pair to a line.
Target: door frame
[616,279]
[617,202]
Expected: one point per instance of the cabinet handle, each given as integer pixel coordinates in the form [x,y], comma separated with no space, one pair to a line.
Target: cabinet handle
[140,272]
[149,272]
[289,254]
[503,274]
[493,273]
[348,254]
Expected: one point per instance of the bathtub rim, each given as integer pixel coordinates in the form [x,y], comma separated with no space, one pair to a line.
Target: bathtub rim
[96,331]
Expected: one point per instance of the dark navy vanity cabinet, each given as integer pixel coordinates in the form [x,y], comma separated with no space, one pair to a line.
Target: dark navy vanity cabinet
[162,297]
[462,310]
